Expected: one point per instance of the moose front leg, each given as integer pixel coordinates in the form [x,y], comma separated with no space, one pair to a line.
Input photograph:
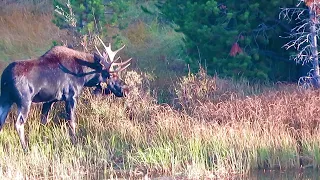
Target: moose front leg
[70,109]
[46,107]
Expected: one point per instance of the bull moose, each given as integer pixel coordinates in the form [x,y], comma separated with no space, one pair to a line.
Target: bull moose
[58,75]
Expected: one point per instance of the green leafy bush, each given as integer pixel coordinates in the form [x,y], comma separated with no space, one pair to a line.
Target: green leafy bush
[86,16]
[232,39]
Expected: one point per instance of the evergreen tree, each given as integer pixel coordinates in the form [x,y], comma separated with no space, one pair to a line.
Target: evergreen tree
[86,16]
[233,38]
[89,18]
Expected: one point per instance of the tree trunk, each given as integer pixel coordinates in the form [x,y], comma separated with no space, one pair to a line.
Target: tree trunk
[314,49]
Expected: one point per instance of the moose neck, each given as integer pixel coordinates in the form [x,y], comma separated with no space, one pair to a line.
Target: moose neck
[93,79]
[86,67]
[92,70]
[81,65]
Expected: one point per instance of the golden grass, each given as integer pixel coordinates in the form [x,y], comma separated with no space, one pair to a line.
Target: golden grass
[24,34]
[136,137]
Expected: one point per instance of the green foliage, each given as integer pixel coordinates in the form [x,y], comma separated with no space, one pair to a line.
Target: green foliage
[92,17]
[119,7]
[86,16]
[213,27]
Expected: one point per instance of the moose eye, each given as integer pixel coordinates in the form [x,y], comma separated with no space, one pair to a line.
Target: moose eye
[105,74]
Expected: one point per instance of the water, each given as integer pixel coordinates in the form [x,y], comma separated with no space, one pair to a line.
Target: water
[282,175]
[305,174]
[300,174]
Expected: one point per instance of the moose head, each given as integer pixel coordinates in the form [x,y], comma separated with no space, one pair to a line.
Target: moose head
[58,75]
[115,86]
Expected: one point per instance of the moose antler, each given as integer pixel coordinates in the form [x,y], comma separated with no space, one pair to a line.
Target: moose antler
[111,54]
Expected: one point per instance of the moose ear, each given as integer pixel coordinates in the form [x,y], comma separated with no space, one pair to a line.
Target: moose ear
[97,58]
[104,54]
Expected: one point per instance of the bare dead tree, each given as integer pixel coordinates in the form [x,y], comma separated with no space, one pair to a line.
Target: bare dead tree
[304,37]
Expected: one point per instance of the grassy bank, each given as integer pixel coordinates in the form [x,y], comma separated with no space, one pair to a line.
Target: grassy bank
[136,136]
[211,127]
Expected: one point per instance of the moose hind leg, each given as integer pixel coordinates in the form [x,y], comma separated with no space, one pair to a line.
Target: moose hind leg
[70,109]
[46,107]
[23,111]
[4,110]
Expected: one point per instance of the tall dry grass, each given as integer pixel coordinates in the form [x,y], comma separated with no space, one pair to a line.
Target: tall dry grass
[137,137]
[158,52]
[25,32]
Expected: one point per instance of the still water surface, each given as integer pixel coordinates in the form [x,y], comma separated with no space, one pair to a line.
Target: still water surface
[282,175]
[306,174]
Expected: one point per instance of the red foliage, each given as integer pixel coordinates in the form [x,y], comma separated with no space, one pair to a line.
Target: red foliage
[235,49]
[313,4]
[310,2]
